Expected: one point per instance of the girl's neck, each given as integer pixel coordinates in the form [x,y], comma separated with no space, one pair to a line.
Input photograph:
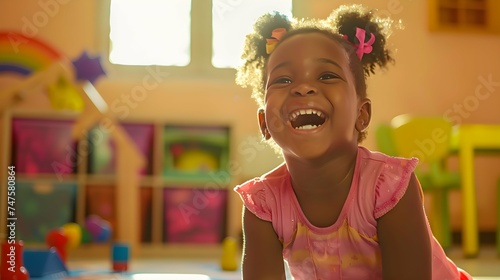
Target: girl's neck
[326,176]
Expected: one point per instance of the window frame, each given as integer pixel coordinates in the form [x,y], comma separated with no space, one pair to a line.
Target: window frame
[200,66]
[492,18]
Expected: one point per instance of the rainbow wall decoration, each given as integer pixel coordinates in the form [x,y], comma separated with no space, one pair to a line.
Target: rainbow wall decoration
[24,55]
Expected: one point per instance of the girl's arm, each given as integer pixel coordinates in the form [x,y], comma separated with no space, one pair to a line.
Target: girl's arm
[404,239]
[262,250]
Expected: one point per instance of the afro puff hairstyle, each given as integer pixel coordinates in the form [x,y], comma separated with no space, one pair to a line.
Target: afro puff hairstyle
[342,22]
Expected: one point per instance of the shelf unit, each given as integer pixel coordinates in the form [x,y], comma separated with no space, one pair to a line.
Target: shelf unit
[183,189]
[476,16]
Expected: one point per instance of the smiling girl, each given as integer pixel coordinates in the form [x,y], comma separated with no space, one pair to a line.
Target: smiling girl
[333,209]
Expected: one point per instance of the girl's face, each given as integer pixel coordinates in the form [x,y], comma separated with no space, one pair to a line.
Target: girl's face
[311,106]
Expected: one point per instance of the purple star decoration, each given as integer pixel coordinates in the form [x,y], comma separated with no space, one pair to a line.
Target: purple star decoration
[88,68]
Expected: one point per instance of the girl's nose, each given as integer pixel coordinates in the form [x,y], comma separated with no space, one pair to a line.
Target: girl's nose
[304,89]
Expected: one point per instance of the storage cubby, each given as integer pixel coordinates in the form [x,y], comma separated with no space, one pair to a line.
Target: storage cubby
[43,146]
[43,205]
[195,153]
[183,187]
[102,156]
[100,201]
[194,215]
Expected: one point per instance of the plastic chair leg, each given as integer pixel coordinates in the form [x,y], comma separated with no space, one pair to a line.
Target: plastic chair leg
[440,219]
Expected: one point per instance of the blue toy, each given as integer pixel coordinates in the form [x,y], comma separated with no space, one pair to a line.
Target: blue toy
[120,257]
[44,264]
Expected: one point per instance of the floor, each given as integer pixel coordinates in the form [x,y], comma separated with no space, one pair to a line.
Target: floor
[485,267]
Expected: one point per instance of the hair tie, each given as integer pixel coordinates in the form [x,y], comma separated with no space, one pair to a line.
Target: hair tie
[363,47]
[276,35]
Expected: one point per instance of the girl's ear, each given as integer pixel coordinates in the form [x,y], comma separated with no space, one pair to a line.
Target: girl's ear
[364,115]
[263,125]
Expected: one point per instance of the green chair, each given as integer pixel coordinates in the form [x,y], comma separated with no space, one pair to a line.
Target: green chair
[384,139]
[428,138]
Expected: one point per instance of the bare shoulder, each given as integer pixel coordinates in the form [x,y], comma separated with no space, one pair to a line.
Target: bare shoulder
[404,237]
[262,251]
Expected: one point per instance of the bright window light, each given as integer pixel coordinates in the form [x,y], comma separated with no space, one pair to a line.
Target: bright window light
[150,32]
[232,20]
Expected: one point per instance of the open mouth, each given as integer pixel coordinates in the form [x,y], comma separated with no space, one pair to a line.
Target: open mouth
[307,119]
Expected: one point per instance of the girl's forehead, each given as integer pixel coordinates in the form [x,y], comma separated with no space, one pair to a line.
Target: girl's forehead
[313,45]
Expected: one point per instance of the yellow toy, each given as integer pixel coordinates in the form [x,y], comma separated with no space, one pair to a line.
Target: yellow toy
[74,233]
[229,254]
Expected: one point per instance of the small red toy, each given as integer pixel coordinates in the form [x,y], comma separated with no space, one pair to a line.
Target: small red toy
[57,238]
[12,266]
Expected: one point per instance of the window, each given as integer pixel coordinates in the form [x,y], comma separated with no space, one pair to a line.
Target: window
[198,35]
[231,24]
[141,32]
[465,15]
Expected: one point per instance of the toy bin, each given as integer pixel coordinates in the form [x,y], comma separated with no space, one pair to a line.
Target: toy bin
[100,201]
[196,154]
[102,158]
[43,206]
[43,146]
[195,215]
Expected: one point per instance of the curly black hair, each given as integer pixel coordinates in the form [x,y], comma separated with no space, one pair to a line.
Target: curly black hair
[339,26]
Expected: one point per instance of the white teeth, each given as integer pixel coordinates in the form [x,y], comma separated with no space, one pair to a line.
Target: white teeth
[308,126]
[305,112]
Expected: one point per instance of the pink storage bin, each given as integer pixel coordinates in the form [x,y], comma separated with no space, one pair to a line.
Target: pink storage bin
[43,146]
[194,215]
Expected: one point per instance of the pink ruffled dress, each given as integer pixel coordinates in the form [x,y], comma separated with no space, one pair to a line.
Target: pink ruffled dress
[349,248]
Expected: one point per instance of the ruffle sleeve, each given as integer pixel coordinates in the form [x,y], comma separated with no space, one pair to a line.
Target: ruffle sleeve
[392,184]
[254,195]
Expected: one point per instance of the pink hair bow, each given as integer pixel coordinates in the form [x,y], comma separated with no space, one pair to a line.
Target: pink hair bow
[276,35]
[363,47]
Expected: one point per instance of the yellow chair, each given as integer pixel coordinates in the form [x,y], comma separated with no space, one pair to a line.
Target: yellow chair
[428,139]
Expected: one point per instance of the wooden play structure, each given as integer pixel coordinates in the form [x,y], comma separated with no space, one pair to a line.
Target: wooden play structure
[165,187]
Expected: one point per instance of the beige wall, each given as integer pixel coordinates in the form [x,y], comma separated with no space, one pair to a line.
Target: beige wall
[434,73]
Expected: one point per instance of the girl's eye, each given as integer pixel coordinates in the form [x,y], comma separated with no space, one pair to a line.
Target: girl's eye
[328,76]
[282,80]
